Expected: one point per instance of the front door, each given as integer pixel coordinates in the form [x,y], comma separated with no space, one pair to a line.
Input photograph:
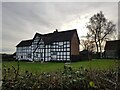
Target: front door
[40,56]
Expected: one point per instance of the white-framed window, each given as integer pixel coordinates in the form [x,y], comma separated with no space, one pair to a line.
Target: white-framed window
[64,56]
[68,59]
[68,42]
[68,56]
[60,43]
[61,46]
[41,42]
[65,49]
[68,45]
[58,53]
[68,49]
[53,53]
[64,53]
[65,45]
[36,54]
[46,46]
[68,53]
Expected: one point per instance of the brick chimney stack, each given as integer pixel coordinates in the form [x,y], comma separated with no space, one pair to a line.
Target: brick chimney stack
[56,31]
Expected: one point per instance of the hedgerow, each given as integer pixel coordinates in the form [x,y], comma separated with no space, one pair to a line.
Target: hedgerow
[67,79]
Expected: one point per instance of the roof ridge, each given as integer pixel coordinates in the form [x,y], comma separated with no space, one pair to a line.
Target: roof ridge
[52,37]
[57,32]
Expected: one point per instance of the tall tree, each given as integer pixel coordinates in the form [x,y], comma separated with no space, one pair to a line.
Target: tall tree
[99,30]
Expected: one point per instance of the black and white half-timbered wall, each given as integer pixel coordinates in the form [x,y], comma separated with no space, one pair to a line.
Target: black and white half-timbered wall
[56,46]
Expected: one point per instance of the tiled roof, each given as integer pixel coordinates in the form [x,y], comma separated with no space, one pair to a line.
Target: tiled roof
[58,36]
[51,37]
[112,45]
[25,43]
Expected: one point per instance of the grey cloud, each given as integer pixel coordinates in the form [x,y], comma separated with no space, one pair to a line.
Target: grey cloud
[21,20]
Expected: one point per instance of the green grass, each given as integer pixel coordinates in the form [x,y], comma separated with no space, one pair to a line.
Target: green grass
[101,64]
[37,67]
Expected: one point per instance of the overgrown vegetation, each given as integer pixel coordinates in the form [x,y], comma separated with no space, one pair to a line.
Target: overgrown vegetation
[67,79]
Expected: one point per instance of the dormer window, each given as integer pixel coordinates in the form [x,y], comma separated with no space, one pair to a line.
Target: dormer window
[41,42]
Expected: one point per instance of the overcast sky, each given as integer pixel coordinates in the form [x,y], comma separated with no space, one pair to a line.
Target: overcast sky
[20,20]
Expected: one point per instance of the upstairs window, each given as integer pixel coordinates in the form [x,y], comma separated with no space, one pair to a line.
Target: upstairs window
[36,40]
[29,55]
[41,42]
[53,53]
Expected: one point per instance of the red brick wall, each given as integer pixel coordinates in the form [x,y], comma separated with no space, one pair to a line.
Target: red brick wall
[74,45]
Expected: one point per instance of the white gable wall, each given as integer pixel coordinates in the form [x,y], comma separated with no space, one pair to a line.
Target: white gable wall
[39,53]
[23,53]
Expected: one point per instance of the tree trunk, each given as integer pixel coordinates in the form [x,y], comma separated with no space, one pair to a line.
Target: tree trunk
[100,49]
[97,47]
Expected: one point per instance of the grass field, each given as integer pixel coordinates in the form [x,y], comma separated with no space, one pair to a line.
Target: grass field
[37,67]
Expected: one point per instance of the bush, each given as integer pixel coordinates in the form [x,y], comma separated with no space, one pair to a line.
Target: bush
[67,79]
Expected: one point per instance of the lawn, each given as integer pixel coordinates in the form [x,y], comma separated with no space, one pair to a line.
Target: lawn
[37,67]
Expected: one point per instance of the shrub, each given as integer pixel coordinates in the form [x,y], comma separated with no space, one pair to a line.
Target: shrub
[67,79]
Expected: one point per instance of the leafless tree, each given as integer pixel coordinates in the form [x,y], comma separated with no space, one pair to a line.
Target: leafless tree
[100,30]
[87,45]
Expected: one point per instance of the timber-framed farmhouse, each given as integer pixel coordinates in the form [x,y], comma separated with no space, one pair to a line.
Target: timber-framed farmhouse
[56,46]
